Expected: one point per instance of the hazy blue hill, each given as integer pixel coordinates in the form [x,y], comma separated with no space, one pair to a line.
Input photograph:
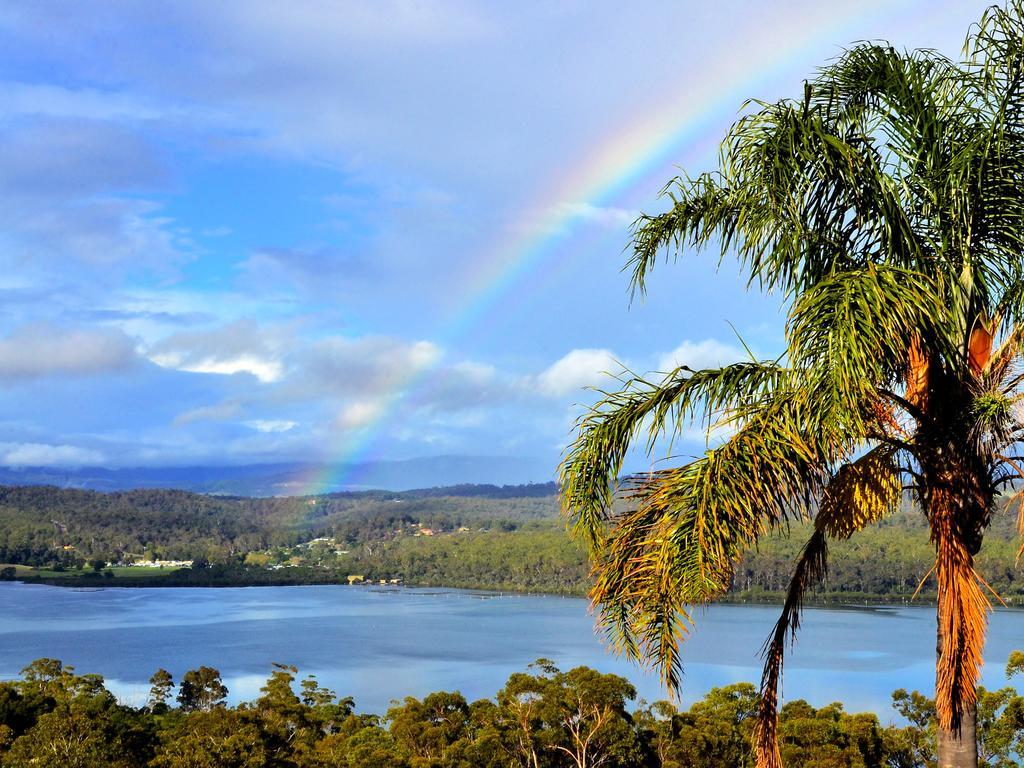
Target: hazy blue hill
[488,491]
[288,479]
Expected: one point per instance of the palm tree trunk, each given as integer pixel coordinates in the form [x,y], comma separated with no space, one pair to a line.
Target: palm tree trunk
[958,750]
[958,502]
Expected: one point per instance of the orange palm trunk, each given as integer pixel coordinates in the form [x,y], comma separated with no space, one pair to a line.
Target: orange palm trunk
[962,616]
[958,502]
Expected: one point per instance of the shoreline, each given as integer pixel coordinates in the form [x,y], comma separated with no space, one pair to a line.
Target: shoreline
[168,581]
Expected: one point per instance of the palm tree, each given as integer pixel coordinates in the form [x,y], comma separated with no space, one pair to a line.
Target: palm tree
[886,208]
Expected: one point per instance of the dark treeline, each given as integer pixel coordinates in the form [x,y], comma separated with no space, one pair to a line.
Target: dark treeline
[53,717]
[486,538]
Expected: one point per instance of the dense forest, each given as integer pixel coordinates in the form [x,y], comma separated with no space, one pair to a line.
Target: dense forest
[543,717]
[484,537]
[40,524]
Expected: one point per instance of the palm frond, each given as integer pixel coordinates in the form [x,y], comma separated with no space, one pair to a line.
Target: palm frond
[1005,354]
[860,494]
[810,570]
[856,327]
[590,472]
[701,209]
[963,620]
[677,544]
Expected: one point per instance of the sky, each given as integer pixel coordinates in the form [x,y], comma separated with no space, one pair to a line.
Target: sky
[244,232]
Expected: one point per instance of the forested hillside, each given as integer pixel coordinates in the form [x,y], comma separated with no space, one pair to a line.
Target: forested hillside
[486,537]
[41,524]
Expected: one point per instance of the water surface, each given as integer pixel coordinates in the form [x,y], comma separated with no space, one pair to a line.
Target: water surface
[381,644]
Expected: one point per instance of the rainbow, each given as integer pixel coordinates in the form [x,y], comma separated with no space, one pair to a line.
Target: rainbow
[629,158]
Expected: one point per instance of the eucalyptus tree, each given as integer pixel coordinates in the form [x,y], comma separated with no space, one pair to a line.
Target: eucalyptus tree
[885,207]
[201,690]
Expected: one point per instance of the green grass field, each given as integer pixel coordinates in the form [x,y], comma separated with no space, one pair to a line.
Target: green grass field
[22,570]
[126,572]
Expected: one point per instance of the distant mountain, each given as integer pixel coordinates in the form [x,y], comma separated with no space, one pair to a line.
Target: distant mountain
[291,479]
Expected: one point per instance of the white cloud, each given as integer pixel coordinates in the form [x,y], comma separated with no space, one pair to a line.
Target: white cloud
[216,231]
[47,455]
[578,369]
[264,370]
[239,347]
[43,350]
[593,367]
[708,353]
[608,216]
[474,372]
[344,366]
[560,218]
[229,409]
[360,414]
[71,201]
[271,425]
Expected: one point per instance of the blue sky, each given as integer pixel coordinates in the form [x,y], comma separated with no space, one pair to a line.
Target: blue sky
[241,232]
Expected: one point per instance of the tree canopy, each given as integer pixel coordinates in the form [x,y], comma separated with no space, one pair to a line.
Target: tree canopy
[543,717]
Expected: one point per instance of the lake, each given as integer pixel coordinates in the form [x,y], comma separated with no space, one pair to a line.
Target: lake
[380,644]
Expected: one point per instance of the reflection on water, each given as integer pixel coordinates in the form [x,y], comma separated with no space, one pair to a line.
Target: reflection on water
[378,645]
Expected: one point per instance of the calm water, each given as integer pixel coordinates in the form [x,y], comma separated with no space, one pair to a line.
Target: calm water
[377,645]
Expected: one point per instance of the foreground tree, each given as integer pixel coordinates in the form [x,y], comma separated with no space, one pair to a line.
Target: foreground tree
[201,690]
[214,738]
[886,207]
[161,688]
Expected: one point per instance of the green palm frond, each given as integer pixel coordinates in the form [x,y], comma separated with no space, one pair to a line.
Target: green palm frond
[854,328]
[702,208]
[590,472]
[677,543]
